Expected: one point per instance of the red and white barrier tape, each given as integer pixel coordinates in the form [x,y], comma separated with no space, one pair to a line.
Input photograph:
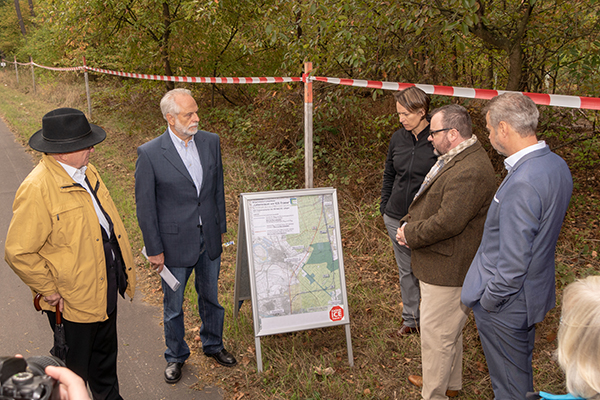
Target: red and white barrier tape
[184,79]
[590,103]
[45,67]
[58,69]
[188,79]
[18,63]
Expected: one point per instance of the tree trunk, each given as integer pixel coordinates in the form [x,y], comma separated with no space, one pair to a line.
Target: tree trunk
[510,42]
[299,20]
[164,48]
[489,77]
[20,17]
[31,12]
[515,69]
[455,73]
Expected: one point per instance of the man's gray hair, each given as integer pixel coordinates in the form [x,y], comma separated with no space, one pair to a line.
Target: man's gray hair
[168,104]
[516,109]
[457,117]
[579,337]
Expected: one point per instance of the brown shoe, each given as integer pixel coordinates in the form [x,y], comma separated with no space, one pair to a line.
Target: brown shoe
[417,380]
[407,330]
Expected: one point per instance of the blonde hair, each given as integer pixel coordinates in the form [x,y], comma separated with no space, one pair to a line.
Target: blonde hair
[579,337]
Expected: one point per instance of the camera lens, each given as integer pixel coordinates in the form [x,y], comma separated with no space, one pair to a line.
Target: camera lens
[38,364]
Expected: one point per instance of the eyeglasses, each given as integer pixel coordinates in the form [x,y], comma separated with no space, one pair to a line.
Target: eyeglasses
[432,133]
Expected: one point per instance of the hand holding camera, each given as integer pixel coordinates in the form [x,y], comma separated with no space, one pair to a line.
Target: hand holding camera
[39,378]
[71,386]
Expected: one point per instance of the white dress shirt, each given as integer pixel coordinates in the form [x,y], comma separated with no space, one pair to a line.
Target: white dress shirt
[191,159]
[78,176]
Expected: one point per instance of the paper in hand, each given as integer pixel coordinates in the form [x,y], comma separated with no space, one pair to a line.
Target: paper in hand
[167,276]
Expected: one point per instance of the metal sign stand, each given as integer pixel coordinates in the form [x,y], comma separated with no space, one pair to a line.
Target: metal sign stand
[245,277]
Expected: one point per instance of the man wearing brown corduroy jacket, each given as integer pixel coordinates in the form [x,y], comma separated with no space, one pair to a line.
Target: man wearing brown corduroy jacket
[443,229]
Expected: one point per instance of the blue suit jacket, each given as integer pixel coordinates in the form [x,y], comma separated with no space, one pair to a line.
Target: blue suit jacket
[519,239]
[168,205]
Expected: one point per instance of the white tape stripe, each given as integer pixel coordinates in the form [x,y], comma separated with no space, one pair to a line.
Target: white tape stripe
[334,80]
[565,101]
[464,92]
[429,89]
[360,83]
[390,86]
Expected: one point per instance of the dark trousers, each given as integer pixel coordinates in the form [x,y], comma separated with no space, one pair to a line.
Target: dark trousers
[93,354]
[507,343]
[211,312]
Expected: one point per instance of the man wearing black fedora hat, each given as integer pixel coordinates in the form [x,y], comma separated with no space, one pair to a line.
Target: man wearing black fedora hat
[67,242]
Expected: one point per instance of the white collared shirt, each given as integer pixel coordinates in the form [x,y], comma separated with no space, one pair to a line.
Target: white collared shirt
[78,176]
[191,159]
[510,162]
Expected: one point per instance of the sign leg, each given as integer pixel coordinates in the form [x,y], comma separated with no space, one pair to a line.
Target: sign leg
[259,365]
[349,344]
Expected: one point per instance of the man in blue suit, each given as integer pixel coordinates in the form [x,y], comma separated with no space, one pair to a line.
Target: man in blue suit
[180,200]
[510,285]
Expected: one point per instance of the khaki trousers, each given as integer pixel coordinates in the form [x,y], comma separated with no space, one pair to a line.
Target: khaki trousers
[443,318]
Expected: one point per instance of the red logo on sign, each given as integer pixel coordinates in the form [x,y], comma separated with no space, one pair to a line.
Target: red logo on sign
[336,313]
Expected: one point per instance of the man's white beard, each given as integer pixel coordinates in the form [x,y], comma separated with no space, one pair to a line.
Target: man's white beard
[186,131]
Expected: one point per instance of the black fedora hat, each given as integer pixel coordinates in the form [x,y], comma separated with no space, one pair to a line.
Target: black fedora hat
[65,130]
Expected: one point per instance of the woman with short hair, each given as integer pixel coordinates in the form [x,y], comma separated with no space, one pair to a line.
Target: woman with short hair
[410,157]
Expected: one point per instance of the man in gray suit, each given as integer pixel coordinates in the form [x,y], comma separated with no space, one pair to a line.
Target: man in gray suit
[180,201]
[443,229]
[510,284]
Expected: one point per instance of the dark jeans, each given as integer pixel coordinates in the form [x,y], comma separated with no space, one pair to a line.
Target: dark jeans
[211,312]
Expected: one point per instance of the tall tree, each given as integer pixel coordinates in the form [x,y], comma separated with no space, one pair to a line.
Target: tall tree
[10,34]
[519,29]
[164,43]
[20,18]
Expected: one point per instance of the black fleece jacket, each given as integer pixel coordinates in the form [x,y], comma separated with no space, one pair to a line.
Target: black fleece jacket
[408,162]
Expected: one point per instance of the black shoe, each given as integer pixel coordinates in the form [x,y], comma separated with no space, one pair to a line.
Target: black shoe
[173,372]
[223,357]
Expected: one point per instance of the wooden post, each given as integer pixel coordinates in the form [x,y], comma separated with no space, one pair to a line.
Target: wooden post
[17,70]
[87,90]
[308,127]
[32,73]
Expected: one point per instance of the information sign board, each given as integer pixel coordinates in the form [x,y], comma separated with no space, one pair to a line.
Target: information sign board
[290,256]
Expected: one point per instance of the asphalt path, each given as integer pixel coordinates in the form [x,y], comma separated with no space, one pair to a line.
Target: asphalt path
[25,331]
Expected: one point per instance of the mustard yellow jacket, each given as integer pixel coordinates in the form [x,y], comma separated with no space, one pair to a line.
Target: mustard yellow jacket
[54,242]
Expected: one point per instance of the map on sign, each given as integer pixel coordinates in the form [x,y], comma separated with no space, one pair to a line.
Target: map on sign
[296,262]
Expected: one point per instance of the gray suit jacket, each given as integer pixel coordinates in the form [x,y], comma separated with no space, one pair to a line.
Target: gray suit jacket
[167,203]
[522,226]
[445,221]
